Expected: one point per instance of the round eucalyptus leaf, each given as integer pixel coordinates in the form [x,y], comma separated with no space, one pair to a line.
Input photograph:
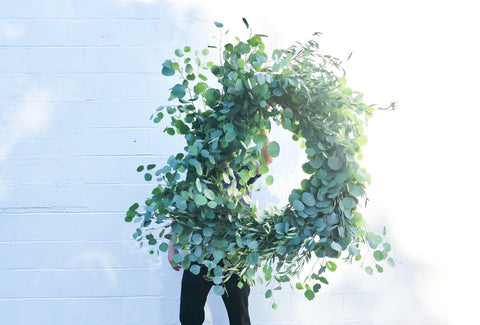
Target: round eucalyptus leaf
[195,269]
[218,290]
[178,91]
[269,180]
[200,200]
[273,149]
[334,163]
[309,294]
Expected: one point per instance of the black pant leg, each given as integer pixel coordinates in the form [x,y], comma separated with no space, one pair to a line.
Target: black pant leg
[236,301]
[194,294]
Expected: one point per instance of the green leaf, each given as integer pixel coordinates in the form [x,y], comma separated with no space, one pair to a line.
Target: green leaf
[211,96]
[168,69]
[197,239]
[229,47]
[218,290]
[212,204]
[331,266]
[308,199]
[336,246]
[273,149]
[151,239]
[334,163]
[219,25]
[369,270]
[238,86]
[245,22]
[177,258]
[263,168]
[355,190]
[297,205]
[252,244]
[148,177]
[391,262]
[205,153]
[200,88]
[309,294]
[189,68]
[140,168]
[241,65]
[316,162]
[374,241]
[323,280]
[352,250]
[207,232]
[182,204]
[260,140]
[230,136]
[198,185]
[151,166]
[378,255]
[252,258]
[195,269]
[130,215]
[288,113]
[163,247]
[269,180]
[348,203]
[193,150]
[134,207]
[209,194]
[179,53]
[387,247]
[178,91]
[200,200]
[268,293]
[277,92]
[299,286]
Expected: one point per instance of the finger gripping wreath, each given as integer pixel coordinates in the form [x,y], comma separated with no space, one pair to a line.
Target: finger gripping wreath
[201,202]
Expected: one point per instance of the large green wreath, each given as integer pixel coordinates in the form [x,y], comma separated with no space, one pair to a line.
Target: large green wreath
[201,201]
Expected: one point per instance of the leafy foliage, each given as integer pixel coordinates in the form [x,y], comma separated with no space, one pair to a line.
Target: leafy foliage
[202,192]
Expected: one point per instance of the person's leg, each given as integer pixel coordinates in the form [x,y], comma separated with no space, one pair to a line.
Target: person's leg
[236,302]
[193,297]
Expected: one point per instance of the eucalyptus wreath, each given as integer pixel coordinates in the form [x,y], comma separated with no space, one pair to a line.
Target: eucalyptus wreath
[201,199]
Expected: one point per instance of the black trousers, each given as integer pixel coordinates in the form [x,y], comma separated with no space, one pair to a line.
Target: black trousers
[194,296]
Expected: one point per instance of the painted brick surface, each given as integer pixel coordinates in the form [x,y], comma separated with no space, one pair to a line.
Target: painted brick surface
[79,80]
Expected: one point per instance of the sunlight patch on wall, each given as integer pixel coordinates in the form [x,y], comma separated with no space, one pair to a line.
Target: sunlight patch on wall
[11,31]
[102,260]
[24,119]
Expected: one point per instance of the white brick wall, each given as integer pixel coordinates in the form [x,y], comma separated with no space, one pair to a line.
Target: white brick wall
[78,82]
